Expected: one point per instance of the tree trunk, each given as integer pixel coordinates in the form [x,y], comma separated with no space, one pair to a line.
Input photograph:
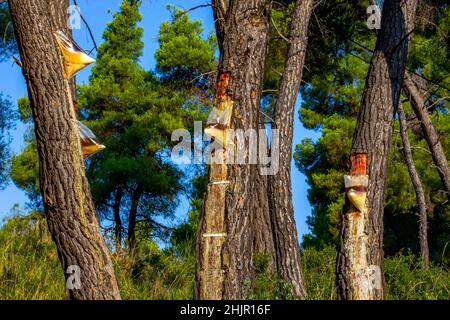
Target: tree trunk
[132,218]
[66,196]
[244,55]
[360,258]
[226,236]
[280,190]
[220,11]
[118,220]
[431,136]
[263,237]
[418,188]
[211,235]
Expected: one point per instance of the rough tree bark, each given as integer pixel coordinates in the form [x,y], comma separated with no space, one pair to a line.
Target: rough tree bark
[431,136]
[418,187]
[360,257]
[226,236]
[66,196]
[263,242]
[220,11]
[280,191]
[245,49]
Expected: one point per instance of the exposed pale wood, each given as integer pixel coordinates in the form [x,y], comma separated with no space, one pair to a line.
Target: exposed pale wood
[211,237]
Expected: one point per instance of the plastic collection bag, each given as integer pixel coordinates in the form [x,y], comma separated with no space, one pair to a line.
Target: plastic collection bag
[356,189]
[89,142]
[74,57]
[219,121]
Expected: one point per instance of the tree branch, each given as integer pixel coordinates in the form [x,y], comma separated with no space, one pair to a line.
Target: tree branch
[192,9]
[85,23]
[278,31]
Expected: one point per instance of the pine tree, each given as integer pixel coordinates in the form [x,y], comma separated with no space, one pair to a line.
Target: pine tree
[330,105]
[134,112]
[361,255]
[236,193]
[65,191]
[279,192]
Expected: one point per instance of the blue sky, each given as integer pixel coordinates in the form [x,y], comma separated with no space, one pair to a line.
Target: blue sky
[98,13]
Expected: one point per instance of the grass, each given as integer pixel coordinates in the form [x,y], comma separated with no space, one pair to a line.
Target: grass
[30,269]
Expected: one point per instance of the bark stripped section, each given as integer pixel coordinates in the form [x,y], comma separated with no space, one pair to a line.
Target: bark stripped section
[280,190]
[212,231]
[68,205]
[373,136]
[243,54]
[432,137]
[418,187]
[354,236]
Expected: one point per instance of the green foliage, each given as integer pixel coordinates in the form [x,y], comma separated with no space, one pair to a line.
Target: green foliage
[185,65]
[281,15]
[155,274]
[134,112]
[180,40]
[30,269]
[331,102]
[24,170]
[429,52]
[268,284]
[25,113]
[406,279]
[7,118]
[324,165]
[184,236]
[29,265]
[319,267]
[8,45]
[331,27]
[335,77]
[123,35]
[118,81]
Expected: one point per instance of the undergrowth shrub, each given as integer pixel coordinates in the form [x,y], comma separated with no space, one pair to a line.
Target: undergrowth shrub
[406,279]
[30,269]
